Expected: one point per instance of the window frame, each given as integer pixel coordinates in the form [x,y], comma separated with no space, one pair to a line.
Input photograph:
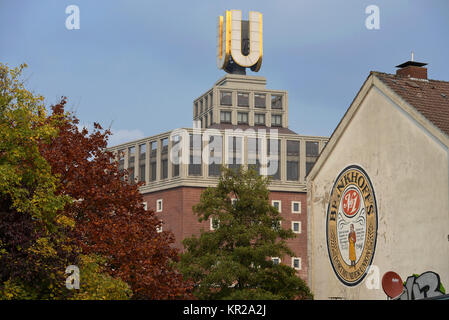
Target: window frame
[242,122]
[211,219]
[300,227]
[300,263]
[161,207]
[256,115]
[221,98]
[159,229]
[275,115]
[280,204]
[224,112]
[293,206]
[257,95]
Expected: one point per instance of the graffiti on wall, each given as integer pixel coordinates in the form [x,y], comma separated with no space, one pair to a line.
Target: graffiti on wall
[426,285]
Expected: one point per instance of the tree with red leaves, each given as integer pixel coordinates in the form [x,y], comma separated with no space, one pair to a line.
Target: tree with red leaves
[110,220]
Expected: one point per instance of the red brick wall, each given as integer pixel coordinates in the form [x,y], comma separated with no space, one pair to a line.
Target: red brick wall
[178,217]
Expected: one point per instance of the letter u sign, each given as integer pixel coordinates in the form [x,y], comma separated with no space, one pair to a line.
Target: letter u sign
[229,40]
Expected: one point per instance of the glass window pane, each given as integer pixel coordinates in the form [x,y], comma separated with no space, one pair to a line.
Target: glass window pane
[259,119]
[242,117]
[276,120]
[259,100]
[225,98]
[312,149]
[276,101]
[243,99]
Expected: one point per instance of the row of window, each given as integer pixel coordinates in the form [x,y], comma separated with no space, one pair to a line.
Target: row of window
[296,262]
[203,104]
[295,206]
[295,225]
[242,118]
[260,100]
[195,168]
[214,224]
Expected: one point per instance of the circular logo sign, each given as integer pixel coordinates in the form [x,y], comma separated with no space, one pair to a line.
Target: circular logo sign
[351,225]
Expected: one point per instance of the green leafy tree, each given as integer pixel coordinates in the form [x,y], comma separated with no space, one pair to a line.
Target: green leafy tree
[36,235]
[96,283]
[34,250]
[233,262]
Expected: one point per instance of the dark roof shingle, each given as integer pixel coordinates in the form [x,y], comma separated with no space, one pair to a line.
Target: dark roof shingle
[429,97]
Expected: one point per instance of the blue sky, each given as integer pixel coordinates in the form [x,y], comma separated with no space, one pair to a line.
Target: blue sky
[138,65]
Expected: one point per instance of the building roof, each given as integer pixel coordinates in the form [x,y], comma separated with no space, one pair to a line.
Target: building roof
[428,97]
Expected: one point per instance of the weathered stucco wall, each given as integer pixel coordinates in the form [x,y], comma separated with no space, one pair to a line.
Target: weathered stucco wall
[408,168]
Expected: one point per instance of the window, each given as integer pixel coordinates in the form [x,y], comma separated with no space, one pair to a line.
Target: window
[273,156]
[145,207]
[292,160]
[226,98]
[254,153]
[276,224]
[215,155]
[159,228]
[259,100]
[164,168]
[276,260]
[259,119]
[225,116]
[195,161]
[277,204]
[164,158]
[206,102]
[153,146]
[131,159]
[153,169]
[296,226]
[311,149]
[276,101]
[233,201]
[196,109]
[214,223]
[296,263]
[177,156]
[243,99]
[201,106]
[235,156]
[296,206]
[206,121]
[211,116]
[309,165]
[142,157]
[242,117]
[159,206]
[276,120]
[292,170]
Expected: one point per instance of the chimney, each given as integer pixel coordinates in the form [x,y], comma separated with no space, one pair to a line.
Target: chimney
[412,69]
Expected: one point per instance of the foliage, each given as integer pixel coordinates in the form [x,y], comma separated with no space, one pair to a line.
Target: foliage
[25,177]
[34,249]
[96,284]
[110,219]
[233,262]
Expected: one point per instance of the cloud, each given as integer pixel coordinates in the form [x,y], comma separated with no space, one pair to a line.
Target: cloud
[123,135]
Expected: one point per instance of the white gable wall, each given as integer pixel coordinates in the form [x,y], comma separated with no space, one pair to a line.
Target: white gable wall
[408,168]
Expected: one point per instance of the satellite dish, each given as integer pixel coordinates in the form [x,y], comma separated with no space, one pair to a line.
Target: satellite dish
[392,284]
